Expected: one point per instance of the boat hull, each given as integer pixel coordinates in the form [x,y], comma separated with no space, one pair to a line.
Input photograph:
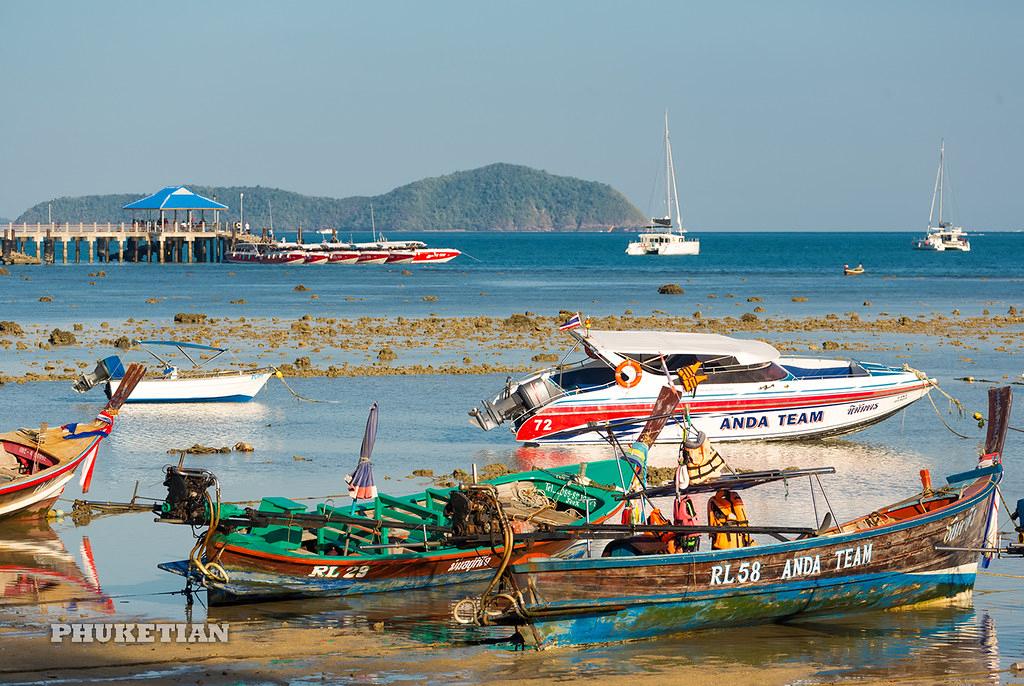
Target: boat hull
[436,255]
[803,410]
[221,388]
[255,576]
[320,258]
[373,258]
[616,599]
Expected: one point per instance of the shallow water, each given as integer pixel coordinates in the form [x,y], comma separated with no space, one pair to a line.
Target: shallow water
[107,568]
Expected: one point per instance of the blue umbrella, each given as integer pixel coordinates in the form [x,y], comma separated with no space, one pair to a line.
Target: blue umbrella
[360,482]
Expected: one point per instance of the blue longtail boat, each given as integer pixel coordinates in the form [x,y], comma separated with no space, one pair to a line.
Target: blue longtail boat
[925,548]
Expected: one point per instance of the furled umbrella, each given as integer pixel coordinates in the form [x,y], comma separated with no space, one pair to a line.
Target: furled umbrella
[360,482]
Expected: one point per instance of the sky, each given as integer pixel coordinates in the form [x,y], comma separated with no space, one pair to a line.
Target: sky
[784,115]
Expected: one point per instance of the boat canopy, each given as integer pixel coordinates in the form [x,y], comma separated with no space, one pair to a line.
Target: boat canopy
[746,352]
[182,344]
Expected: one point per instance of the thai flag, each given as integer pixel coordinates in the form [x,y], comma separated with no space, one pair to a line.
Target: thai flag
[573,322]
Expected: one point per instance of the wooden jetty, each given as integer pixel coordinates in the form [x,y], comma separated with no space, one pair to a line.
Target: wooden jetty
[139,241]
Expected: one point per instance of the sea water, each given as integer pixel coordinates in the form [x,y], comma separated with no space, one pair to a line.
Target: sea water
[305,449]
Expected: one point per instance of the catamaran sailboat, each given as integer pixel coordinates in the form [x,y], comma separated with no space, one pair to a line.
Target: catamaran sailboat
[942,236]
[750,391]
[667,235]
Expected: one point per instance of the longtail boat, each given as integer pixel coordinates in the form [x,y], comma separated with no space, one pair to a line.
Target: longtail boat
[922,549]
[283,550]
[438,537]
[37,464]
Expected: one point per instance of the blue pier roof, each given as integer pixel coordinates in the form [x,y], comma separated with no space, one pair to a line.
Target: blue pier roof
[175,198]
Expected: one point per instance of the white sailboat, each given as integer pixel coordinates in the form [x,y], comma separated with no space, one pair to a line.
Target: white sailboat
[658,240]
[942,236]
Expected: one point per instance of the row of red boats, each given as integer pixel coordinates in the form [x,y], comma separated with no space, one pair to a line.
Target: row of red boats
[384,252]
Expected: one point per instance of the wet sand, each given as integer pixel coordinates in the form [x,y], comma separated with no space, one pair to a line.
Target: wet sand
[284,655]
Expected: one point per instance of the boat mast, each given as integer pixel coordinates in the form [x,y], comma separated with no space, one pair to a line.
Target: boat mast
[942,175]
[373,224]
[937,191]
[671,192]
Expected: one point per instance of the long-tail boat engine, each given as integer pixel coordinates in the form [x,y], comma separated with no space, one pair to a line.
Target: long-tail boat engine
[188,498]
[473,511]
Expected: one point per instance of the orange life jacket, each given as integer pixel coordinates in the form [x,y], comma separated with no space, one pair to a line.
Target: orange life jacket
[725,508]
[702,462]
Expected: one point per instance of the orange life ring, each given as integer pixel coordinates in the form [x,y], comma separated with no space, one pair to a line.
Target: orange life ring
[621,379]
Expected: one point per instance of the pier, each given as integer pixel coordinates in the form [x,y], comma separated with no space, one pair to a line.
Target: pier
[138,241]
[157,236]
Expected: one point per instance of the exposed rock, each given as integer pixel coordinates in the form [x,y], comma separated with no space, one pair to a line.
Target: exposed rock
[867,303]
[10,328]
[423,472]
[748,317]
[300,287]
[758,309]
[190,318]
[520,322]
[544,357]
[670,289]
[152,301]
[123,342]
[753,299]
[387,354]
[45,299]
[240,301]
[4,271]
[199,449]
[799,299]
[302,363]
[59,337]
[430,298]
[829,345]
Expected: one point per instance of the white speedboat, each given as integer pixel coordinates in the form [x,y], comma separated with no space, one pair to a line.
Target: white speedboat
[751,391]
[171,385]
[942,235]
[666,235]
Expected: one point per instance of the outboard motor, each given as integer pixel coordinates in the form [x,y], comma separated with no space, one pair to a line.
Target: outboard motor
[106,369]
[186,495]
[514,402]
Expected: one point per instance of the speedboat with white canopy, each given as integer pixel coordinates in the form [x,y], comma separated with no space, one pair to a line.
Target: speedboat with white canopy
[736,389]
[169,384]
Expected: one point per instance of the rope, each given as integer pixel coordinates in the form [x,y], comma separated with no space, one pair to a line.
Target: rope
[279,375]
[1005,576]
[944,423]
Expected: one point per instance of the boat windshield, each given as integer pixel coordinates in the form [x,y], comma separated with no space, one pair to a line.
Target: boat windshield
[719,370]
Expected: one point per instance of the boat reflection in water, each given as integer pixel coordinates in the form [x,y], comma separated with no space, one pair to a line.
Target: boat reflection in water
[923,646]
[37,570]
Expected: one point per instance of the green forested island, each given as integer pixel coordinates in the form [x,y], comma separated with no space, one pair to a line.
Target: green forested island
[498,197]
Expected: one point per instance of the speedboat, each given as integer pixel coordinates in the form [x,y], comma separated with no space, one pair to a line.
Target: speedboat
[284,253]
[244,253]
[942,235]
[743,390]
[171,385]
[315,254]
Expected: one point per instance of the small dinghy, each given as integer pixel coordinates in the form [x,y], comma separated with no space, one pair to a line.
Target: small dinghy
[853,271]
[173,385]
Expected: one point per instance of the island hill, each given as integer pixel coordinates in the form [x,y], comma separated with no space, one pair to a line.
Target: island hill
[498,197]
